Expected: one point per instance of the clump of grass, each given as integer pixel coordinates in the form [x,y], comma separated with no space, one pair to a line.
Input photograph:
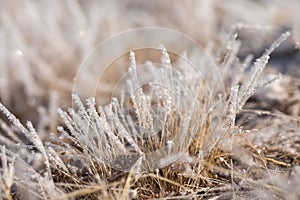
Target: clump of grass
[97,153]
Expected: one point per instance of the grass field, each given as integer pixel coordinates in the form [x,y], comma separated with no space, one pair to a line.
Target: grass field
[204,106]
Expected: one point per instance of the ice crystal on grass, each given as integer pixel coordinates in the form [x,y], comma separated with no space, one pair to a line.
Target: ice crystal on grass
[68,155]
[29,174]
[162,141]
[108,135]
